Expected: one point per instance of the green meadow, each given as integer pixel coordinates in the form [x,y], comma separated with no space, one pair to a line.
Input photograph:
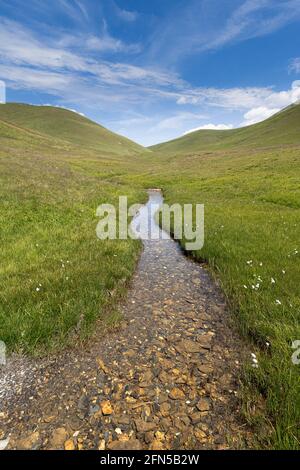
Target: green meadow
[58,279]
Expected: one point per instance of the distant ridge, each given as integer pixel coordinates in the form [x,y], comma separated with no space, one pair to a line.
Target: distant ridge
[66,127]
[283,128]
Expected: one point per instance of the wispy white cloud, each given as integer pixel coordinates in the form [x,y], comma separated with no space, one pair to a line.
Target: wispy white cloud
[19,46]
[82,9]
[255,18]
[125,15]
[95,72]
[211,24]
[241,98]
[31,79]
[258,114]
[17,43]
[295,65]
[215,127]
[70,9]
[49,64]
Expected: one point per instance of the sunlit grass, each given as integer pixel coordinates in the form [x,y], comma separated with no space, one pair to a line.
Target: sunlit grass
[252,245]
[57,278]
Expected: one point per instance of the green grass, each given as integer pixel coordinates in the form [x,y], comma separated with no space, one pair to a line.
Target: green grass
[55,274]
[68,129]
[53,177]
[279,130]
[252,213]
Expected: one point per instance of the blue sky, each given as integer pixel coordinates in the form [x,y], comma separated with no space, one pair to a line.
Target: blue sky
[153,70]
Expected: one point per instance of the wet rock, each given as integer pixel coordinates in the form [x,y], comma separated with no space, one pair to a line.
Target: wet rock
[166,364]
[205,341]
[143,426]
[58,438]
[102,444]
[200,435]
[203,405]
[196,417]
[165,409]
[94,410]
[165,424]
[132,444]
[149,437]
[69,445]
[146,378]
[83,404]
[49,418]
[130,353]
[102,366]
[225,380]
[188,346]
[164,377]
[157,445]
[106,408]
[160,436]
[30,442]
[205,368]
[123,420]
[163,397]
[176,394]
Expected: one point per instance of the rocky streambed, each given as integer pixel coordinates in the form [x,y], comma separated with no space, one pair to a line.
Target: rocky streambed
[167,378]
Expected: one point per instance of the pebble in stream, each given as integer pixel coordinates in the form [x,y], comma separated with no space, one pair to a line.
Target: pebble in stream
[166,379]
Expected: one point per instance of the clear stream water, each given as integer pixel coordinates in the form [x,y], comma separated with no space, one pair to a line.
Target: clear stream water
[144,225]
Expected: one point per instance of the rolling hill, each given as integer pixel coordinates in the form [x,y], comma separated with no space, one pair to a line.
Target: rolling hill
[65,127]
[56,167]
[58,279]
[281,129]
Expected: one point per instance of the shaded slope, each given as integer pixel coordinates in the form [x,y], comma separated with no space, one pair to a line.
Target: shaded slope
[65,127]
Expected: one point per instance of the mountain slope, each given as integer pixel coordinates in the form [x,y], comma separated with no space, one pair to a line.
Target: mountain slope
[56,168]
[66,127]
[281,129]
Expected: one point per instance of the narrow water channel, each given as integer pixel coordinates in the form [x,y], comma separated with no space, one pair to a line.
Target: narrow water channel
[165,379]
[145,224]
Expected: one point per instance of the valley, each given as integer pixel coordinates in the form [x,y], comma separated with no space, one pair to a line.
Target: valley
[60,284]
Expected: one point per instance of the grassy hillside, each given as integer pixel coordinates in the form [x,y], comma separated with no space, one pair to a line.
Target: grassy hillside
[67,128]
[57,278]
[281,129]
[251,195]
